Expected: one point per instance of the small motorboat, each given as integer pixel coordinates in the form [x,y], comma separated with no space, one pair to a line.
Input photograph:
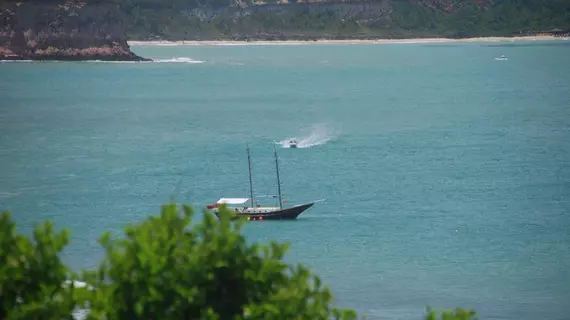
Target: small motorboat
[502,58]
[292,144]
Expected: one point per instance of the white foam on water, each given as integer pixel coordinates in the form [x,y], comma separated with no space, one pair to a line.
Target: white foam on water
[15,60]
[170,60]
[6,195]
[320,134]
[178,60]
[103,61]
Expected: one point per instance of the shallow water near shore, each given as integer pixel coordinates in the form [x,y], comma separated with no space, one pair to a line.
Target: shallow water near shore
[446,172]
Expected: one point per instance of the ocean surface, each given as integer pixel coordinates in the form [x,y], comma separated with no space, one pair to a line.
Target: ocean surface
[446,173]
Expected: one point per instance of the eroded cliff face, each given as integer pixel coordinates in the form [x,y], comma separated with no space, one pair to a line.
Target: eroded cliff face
[62,31]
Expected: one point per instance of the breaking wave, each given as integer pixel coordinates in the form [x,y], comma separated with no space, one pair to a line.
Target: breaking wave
[320,134]
[15,61]
[178,60]
[170,60]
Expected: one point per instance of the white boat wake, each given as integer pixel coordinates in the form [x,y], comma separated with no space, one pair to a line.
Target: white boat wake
[320,134]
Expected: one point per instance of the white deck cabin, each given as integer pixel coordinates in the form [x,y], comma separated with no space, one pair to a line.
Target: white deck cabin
[233,202]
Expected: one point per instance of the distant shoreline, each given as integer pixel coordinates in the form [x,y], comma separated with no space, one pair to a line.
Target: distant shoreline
[324,41]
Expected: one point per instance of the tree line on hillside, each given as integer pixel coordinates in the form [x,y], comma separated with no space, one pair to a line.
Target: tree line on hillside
[505,18]
[164,267]
[174,20]
[366,19]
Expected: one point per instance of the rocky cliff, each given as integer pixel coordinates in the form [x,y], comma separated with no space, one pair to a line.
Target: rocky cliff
[56,30]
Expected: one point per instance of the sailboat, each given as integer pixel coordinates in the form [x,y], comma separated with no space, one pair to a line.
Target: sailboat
[257,212]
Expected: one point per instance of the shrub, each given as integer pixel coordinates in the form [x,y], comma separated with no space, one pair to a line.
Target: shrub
[165,267]
[31,274]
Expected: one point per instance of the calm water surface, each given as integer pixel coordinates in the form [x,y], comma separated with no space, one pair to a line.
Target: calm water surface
[446,173]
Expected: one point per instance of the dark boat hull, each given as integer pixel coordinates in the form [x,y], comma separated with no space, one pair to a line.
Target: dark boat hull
[286,214]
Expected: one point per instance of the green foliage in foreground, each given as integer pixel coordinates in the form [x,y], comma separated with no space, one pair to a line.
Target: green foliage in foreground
[457,314]
[31,272]
[164,268]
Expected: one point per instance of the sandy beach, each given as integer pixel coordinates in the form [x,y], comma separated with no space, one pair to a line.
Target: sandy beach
[309,42]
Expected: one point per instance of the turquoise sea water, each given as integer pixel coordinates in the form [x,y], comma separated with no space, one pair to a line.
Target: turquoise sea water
[446,173]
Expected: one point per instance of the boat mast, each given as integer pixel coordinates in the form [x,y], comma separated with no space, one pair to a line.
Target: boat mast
[250,179]
[278,179]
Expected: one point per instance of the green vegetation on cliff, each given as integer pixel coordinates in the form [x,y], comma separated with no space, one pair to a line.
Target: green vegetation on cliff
[504,18]
[353,19]
[301,20]
[164,268]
